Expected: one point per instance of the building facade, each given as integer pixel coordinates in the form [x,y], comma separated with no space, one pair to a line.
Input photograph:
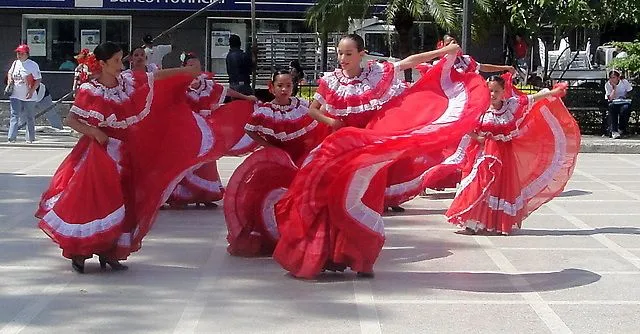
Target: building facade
[56,30]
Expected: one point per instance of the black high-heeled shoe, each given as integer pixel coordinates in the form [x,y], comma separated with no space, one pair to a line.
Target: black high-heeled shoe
[362,274]
[114,264]
[397,209]
[77,266]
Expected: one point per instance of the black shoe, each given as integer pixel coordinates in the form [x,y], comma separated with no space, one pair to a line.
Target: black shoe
[397,209]
[77,266]
[335,267]
[362,274]
[210,205]
[114,264]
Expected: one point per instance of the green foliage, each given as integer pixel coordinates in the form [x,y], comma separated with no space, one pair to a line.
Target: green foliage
[334,15]
[531,15]
[631,63]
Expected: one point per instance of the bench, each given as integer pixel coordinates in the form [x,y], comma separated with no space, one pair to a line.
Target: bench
[589,107]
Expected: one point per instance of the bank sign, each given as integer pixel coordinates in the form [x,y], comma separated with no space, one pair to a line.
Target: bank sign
[222,5]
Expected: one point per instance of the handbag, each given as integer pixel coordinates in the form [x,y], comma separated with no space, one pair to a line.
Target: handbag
[8,90]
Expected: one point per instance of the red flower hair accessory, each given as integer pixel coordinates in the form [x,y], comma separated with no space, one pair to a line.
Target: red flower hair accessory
[93,64]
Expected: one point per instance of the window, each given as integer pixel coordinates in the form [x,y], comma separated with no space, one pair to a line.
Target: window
[279,41]
[55,39]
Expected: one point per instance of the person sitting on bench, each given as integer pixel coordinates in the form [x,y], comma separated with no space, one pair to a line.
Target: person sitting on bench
[616,91]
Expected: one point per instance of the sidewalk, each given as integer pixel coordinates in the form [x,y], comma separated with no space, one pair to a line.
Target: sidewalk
[46,137]
[49,137]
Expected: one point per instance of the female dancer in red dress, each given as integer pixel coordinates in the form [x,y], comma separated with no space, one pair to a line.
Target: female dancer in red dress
[524,152]
[288,134]
[407,177]
[206,96]
[138,141]
[138,61]
[330,217]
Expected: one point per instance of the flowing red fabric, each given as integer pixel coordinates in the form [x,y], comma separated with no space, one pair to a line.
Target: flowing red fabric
[205,97]
[523,163]
[259,182]
[104,199]
[254,188]
[406,177]
[332,210]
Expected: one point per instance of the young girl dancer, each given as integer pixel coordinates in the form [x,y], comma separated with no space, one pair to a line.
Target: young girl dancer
[407,177]
[206,96]
[104,197]
[138,61]
[288,134]
[522,156]
[330,216]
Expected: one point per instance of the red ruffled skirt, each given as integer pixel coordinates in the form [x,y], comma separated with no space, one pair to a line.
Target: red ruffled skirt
[254,188]
[505,181]
[203,184]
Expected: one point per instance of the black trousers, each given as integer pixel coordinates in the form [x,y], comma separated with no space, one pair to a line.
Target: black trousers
[618,117]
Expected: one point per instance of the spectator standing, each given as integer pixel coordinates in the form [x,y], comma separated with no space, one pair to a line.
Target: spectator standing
[239,67]
[23,79]
[155,53]
[297,74]
[520,48]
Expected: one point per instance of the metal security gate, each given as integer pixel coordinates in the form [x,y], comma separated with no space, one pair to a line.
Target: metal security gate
[276,50]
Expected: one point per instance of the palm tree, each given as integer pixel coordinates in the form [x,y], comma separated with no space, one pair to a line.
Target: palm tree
[334,15]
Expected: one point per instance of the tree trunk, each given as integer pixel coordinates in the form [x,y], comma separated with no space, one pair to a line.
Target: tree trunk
[324,38]
[403,23]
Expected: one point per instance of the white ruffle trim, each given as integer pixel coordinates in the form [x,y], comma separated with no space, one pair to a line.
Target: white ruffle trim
[208,140]
[269,212]
[292,112]
[505,116]
[86,230]
[415,184]
[204,184]
[282,136]
[532,189]
[112,120]
[344,88]
[354,206]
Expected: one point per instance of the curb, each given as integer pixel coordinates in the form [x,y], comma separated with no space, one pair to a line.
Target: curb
[40,145]
[621,148]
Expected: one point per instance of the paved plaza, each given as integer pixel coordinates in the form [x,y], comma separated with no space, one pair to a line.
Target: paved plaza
[574,268]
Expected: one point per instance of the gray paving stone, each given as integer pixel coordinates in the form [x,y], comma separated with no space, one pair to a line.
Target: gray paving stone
[573,268]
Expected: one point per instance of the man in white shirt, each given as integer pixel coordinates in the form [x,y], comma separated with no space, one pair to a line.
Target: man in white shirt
[24,76]
[156,53]
[616,92]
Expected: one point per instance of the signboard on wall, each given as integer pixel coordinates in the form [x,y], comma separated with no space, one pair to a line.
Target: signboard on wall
[220,43]
[89,39]
[184,5]
[37,41]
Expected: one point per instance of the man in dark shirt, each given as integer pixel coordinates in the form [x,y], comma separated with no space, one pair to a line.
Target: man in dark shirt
[239,67]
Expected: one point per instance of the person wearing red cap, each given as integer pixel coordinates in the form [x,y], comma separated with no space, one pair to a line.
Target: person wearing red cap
[23,78]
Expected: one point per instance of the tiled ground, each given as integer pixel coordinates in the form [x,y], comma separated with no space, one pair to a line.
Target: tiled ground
[575,267]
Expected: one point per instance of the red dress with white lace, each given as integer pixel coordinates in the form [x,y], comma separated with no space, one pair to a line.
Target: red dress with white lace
[331,214]
[527,158]
[259,182]
[103,199]
[356,100]
[202,185]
